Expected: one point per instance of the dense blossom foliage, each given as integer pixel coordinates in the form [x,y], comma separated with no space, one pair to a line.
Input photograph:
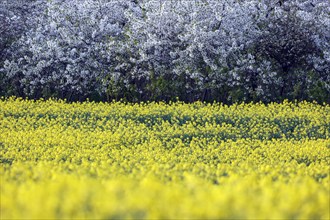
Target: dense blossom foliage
[69,50]
[164,161]
[143,49]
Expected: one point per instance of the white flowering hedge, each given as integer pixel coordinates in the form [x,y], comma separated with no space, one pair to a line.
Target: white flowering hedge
[228,51]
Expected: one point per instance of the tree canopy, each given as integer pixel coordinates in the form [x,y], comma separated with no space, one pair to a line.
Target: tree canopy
[228,51]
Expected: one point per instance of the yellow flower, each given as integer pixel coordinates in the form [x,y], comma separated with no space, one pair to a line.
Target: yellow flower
[157,160]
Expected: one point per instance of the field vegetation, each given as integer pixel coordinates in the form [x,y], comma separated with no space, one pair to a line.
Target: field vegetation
[157,160]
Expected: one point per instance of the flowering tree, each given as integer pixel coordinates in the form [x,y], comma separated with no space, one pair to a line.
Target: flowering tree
[236,50]
[143,49]
[70,51]
[290,56]
[16,17]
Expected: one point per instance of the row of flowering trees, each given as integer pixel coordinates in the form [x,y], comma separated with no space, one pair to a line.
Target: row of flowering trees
[224,50]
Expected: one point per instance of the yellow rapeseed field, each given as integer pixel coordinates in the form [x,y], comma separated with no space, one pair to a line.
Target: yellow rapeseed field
[156,160]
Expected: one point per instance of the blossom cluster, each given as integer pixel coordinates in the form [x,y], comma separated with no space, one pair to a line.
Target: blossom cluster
[164,161]
[140,50]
